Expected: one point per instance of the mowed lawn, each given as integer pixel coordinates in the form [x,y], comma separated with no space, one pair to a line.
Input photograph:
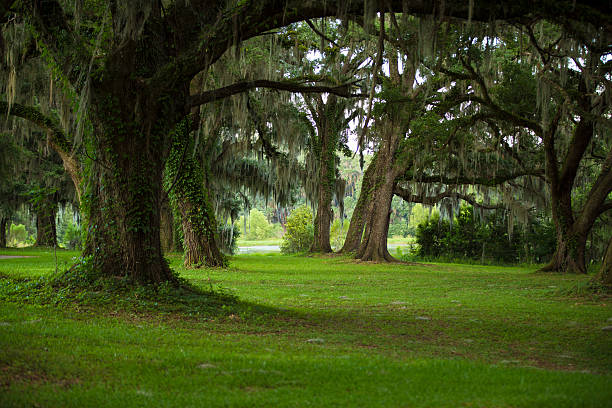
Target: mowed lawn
[316,332]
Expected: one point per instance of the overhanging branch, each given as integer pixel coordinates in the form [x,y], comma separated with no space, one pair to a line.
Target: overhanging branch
[57,138]
[466,180]
[406,195]
[290,86]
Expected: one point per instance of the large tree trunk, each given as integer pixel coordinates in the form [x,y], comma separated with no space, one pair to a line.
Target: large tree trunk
[363,207]
[373,247]
[327,118]
[323,219]
[573,226]
[605,272]
[3,225]
[123,202]
[185,182]
[45,223]
[198,236]
[569,254]
[123,216]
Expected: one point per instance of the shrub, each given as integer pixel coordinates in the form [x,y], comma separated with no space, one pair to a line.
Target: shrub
[467,239]
[300,231]
[17,235]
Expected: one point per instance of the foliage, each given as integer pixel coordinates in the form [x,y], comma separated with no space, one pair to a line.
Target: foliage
[300,231]
[338,233]
[72,238]
[228,237]
[468,238]
[257,226]
[17,235]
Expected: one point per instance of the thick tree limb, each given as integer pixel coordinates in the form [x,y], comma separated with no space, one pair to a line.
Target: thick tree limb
[466,180]
[407,196]
[290,86]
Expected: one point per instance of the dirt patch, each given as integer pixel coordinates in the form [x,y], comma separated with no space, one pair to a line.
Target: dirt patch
[16,256]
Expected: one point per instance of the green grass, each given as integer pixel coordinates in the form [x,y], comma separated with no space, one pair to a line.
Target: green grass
[321,331]
[259,242]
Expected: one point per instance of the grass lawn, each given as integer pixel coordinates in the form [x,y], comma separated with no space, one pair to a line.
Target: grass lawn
[259,242]
[315,332]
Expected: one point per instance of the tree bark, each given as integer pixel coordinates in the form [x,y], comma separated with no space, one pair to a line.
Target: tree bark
[573,227]
[188,193]
[198,237]
[328,117]
[569,254]
[167,226]
[3,225]
[46,235]
[123,202]
[322,221]
[604,275]
[363,207]
[373,246]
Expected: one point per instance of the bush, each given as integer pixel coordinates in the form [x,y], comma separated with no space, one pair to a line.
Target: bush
[300,231]
[18,235]
[467,239]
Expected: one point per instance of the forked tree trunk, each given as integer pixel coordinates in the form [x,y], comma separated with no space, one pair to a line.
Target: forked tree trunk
[573,226]
[185,182]
[605,272]
[45,224]
[3,225]
[363,207]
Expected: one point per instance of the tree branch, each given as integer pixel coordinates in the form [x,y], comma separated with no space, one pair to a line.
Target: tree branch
[319,33]
[405,195]
[290,86]
[57,138]
[465,180]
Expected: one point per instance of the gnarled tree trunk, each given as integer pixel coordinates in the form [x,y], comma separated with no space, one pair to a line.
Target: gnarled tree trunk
[323,218]
[131,122]
[569,255]
[328,117]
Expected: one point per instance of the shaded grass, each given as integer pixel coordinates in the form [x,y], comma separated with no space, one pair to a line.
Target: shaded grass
[380,335]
